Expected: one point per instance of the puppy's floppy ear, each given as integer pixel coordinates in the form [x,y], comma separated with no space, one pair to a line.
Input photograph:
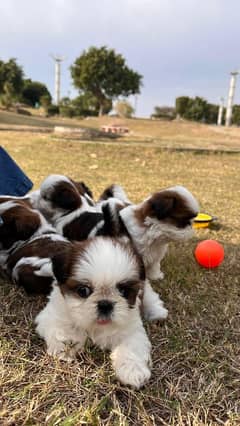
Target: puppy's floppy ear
[162,204]
[26,224]
[66,198]
[84,188]
[61,264]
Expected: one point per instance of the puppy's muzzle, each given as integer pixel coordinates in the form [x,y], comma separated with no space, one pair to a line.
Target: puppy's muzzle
[105,307]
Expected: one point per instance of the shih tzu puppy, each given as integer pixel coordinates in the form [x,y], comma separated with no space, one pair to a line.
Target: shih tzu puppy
[164,217]
[71,210]
[19,222]
[30,265]
[97,294]
[27,244]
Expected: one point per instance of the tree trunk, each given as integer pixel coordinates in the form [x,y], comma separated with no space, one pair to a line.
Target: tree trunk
[100,112]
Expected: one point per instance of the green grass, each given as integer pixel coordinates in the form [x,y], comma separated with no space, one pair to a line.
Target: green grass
[196,352]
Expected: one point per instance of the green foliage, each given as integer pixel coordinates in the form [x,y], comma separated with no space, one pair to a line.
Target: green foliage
[85,105]
[103,73]
[236,115]
[52,110]
[197,109]
[11,82]
[165,112]
[34,91]
[66,109]
[45,101]
[211,113]
[182,104]
[124,109]
[8,95]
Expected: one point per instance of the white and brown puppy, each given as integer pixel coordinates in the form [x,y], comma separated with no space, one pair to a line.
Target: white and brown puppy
[60,195]
[27,243]
[30,199]
[98,295]
[30,265]
[19,222]
[164,217]
[73,212]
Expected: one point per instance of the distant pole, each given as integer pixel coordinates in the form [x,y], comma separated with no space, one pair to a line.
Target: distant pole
[135,105]
[58,60]
[220,112]
[231,94]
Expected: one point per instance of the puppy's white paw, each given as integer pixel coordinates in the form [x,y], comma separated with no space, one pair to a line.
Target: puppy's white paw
[156,312]
[65,351]
[155,275]
[161,275]
[133,374]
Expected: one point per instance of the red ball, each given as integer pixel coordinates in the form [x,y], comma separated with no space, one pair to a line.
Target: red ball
[209,253]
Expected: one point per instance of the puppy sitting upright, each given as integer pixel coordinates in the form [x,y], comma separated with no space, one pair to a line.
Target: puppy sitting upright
[97,295]
[164,217]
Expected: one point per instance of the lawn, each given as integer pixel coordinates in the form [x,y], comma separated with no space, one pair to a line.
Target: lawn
[196,352]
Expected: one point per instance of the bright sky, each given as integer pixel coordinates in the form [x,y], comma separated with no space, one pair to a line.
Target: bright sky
[181,47]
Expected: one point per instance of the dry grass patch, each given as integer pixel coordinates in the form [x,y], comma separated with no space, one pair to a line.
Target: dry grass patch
[196,353]
[172,134]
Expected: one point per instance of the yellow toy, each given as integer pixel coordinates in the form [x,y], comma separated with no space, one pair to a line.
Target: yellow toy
[203,220]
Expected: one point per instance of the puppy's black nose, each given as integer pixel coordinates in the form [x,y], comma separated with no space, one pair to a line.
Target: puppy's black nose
[105,307]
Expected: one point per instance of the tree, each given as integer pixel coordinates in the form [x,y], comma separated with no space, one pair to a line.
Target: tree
[211,115]
[2,76]
[124,109]
[45,101]
[104,74]
[197,109]
[236,115]
[182,104]
[164,112]
[66,108]
[33,91]
[87,104]
[11,81]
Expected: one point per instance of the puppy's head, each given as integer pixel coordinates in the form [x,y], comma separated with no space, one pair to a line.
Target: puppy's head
[172,210]
[60,195]
[18,222]
[100,280]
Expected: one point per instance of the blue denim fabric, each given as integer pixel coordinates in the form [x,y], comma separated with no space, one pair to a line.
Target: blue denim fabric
[12,179]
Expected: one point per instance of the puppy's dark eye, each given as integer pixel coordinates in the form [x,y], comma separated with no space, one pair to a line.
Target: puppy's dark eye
[84,291]
[124,291]
[126,288]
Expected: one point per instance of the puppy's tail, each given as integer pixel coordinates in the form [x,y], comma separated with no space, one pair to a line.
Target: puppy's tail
[113,224]
[115,191]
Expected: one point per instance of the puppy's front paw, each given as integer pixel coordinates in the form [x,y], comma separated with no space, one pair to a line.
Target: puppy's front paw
[133,374]
[155,275]
[156,312]
[65,351]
